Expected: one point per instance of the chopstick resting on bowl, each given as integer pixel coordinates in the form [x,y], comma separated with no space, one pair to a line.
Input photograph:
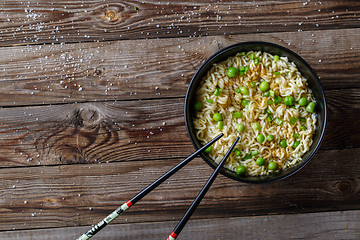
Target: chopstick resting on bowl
[201,194]
[144,192]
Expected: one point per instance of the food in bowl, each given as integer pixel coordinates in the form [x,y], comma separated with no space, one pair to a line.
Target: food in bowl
[263,99]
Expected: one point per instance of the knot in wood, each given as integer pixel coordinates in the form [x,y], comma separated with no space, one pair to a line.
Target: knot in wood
[111,15]
[345,187]
[87,116]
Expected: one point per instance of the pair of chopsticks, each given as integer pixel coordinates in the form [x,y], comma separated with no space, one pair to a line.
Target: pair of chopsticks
[95,229]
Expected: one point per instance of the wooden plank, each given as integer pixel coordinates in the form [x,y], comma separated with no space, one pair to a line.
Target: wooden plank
[158,68]
[93,132]
[35,22]
[130,131]
[76,195]
[325,225]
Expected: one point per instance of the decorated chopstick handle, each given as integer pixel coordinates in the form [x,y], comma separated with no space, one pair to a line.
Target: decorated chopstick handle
[172,236]
[105,221]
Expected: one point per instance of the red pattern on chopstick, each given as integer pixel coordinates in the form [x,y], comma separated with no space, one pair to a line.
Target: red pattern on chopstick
[172,236]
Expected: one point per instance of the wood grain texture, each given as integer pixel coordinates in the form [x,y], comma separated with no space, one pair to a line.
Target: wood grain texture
[91,111]
[326,225]
[93,132]
[76,195]
[158,68]
[130,131]
[35,22]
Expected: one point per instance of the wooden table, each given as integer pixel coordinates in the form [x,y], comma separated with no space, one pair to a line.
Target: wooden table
[92,96]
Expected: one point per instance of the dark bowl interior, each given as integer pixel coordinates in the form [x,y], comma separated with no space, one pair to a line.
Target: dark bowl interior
[306,71]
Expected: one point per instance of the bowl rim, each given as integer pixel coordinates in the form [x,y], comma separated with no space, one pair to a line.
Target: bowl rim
[223,171]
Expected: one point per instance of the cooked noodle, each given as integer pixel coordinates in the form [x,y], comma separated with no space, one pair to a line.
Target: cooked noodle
[287,81]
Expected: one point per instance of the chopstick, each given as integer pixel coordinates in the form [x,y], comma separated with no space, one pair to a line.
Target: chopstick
[95,229]
[200,196]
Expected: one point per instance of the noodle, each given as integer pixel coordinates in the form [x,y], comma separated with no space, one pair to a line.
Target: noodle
[284,80]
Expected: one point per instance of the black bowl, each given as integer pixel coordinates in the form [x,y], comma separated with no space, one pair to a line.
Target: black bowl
[313,83]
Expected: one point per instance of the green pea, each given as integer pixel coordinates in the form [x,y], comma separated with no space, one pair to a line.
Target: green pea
[279,121]
[260,138]
[276,58]
[266,94]
[303,101]
[232,71]
[289,101]
[241,170]
[272,165]
[241,73]
[220,125]
[254,153]
[296,144]
[260,161]
[217,117]
[237,114]
[240,127]
[197,106]
[256,61]
[283,143]
[264,86]
[208,150]
[293,120]
[311,107]
[237,152]
[209,100]
[242,69]
[296,135]
[244,91]
[245,102]
[270,138]
[256,126]
[217,91]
